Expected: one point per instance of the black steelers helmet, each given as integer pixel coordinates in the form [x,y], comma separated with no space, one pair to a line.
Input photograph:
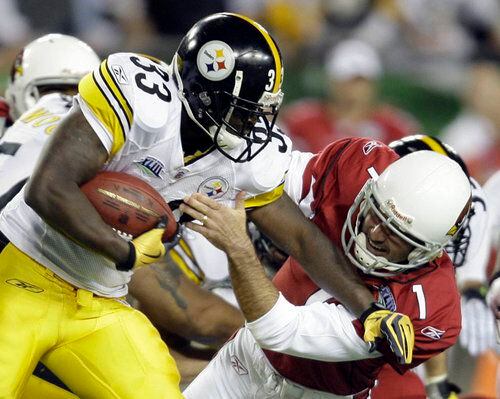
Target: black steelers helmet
[229,71]
[458,247]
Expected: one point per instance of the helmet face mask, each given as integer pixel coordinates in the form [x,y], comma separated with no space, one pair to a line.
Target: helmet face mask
[423,199]
[229,72]
[238,117]
[355,246]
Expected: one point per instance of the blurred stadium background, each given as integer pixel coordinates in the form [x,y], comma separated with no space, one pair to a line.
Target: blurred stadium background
[439,58]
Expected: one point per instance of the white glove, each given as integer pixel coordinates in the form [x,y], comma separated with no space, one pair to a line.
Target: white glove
[478,323]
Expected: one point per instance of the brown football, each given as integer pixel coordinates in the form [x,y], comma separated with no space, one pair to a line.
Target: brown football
[129,204]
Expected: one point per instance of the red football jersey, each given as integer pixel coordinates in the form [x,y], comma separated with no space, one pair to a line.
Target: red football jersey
[428,295]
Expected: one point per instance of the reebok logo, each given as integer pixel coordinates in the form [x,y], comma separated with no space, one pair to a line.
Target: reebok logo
[432,332]
[370,146]
[237,366]
[24,285]
[119,74]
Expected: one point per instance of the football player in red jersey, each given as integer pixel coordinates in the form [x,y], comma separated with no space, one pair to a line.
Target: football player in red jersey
[469,250]
[300,341]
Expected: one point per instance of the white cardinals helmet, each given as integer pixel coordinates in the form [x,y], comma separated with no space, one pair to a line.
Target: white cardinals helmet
[51,60]
[423,198]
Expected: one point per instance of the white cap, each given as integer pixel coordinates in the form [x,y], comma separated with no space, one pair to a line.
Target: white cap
[353,58]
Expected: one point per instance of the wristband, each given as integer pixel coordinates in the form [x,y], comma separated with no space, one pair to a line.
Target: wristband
[374,307]
[129,263]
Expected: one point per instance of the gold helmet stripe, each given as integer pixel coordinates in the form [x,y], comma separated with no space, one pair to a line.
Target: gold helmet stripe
[277,59]
[434,145]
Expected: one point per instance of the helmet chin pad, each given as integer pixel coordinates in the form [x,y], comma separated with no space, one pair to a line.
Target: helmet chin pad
[225,139]
[368,260]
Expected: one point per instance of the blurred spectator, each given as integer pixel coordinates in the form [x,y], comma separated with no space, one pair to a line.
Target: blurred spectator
[432,41]
[295,24]
[475,133]
[352,107]
[14,32]
[112,25]
[14,28]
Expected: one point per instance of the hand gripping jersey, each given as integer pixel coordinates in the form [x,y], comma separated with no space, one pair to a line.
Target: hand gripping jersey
[427,295]
[131,102]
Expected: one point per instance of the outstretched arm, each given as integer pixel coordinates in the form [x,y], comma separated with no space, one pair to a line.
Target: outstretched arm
[226,229]
[277,324]
[288,228]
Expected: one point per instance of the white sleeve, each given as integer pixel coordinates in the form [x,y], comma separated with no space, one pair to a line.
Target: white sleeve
[294,181]
[319,331]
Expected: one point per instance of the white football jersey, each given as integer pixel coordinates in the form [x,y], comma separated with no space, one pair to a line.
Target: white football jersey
[492,190]
[476,259]
[132,104]
[22,143]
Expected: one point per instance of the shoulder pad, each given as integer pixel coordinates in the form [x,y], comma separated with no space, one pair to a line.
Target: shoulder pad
[267,170]
[148,87]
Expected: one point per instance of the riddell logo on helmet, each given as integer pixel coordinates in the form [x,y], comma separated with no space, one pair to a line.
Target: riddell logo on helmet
[400,216]
[215,60]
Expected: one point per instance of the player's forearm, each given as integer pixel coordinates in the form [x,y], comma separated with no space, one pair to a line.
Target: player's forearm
[73,156]
[322,261]
[216,324]
[256,294]
[176,304]
[327,266]
[65,208]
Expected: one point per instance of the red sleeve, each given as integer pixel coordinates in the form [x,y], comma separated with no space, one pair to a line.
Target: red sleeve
[339,172]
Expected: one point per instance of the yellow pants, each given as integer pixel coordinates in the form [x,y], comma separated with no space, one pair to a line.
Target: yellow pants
[36,388]
[99,347]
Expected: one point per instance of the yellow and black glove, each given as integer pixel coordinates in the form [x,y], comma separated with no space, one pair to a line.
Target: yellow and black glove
[145,249]
[396,328]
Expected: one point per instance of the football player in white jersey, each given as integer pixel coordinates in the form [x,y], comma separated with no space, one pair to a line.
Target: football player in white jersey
[39,97]
[203,124]
[43,79]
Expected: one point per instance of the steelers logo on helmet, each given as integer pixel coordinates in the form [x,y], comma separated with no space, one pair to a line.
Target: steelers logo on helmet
[215,60]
